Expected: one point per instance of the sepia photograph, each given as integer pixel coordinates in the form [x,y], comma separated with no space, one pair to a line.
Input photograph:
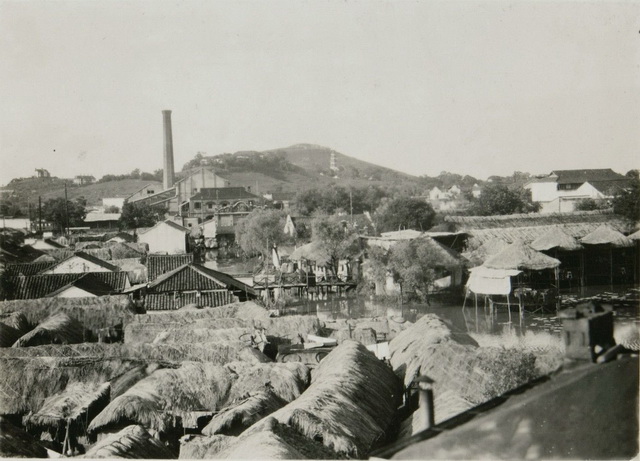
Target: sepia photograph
[320,229]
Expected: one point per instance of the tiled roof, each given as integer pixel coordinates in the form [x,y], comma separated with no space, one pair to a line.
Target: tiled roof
[224,193]
[89,283]
[39,286]
[464,223]
[28,268]
[90,258]
[580,176]
[193,277]
[169,301]
[161,264]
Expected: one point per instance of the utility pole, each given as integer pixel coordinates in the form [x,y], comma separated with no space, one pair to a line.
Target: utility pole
[66,207]
[39,213]
[351,204]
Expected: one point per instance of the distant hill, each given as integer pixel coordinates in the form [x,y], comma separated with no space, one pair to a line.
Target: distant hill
[300,167]
[27,190]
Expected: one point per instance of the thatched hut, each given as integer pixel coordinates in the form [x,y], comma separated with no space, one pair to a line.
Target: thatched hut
[610,257]
[8,335]
[456,363]
[132,442]
[29,380]
[16,320]
[568,250]
[350,404]
[104,316]
[238,417]
[172,398]
[65,414]
[205,330]
[57,329]
[16,443]
[198,447]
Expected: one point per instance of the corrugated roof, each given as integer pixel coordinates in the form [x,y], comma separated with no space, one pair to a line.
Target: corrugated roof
[224,193]
[161,264]
[39,286]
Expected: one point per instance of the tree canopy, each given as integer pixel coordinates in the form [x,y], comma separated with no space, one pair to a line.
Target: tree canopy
[404,213]
[626,202]
[338,239]
[140,215]
[57,210]
[260,230]
[328,200]
[500,199]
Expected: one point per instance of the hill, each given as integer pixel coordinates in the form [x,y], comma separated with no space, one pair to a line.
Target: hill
[300,167]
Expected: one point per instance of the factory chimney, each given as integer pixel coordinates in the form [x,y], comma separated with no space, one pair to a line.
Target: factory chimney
[168,177]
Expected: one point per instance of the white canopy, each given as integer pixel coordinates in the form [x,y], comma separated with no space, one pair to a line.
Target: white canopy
[486,281]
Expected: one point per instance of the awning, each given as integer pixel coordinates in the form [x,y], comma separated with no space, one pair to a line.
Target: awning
[485,281]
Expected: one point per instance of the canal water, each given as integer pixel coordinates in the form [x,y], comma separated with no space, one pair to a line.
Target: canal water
[469,319]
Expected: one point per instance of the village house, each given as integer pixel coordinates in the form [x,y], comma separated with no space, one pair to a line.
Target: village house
[101,220]
[161,264]
[165,237]
[192,284]
[561,190]
[144,192]
[451,199]
[80,262]
[83,180]
[80,284]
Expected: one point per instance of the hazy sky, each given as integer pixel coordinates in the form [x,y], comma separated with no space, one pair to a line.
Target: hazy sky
[474,88]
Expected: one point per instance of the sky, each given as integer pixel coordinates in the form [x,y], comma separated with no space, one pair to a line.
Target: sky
[481,88]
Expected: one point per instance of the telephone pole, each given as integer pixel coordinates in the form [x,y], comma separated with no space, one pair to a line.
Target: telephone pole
[66,207]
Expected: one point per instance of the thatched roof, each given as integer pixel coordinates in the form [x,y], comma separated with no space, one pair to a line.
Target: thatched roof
[556,238]
[103,315]
[131,442]
[313,251]
[16,320]
[30,379]
[635,235]
[57,329]
[487,248]
[70,405]
[16,443]
[198,447]
[605,235]
[474,223]
[237,417]
[518,255]
[156,402]
[8,335]
[350,404]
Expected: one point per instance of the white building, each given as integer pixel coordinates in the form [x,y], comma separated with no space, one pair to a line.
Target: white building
[81,262]
[165,237]
[561,190]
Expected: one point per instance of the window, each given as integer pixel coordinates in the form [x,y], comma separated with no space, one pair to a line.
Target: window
[150,191]
[196,205]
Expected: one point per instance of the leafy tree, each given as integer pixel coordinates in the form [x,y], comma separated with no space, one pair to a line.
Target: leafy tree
[140,215]
[9,208]
[404,213]
[499,199]
[260,230]
[57,210]
[336,237]
[412,264]
[626,202]
[589,204]
[112,209]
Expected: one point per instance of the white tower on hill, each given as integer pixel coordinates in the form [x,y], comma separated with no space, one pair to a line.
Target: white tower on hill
[332,162]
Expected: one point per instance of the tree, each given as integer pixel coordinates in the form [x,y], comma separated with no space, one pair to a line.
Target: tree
[59,212]
[136,215]
[589,204]
[404,213]
[499,199]
[412,264]
[112,209]
[260,230]
[626,202]
[338,239]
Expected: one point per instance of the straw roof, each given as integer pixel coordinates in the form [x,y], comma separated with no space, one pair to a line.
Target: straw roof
[167,396]
[635,235]
[488,248]
[8,335]
[29,380]
[605,235]
[75,403]
[57,329]
[16,443]
[238,417]
[313,251]
[521,256]
[350,404]
[198,447]
[556,238]
[16,320]
[103,315]
[131,442]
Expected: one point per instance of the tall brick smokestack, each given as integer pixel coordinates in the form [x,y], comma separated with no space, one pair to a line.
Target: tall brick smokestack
[168,177]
